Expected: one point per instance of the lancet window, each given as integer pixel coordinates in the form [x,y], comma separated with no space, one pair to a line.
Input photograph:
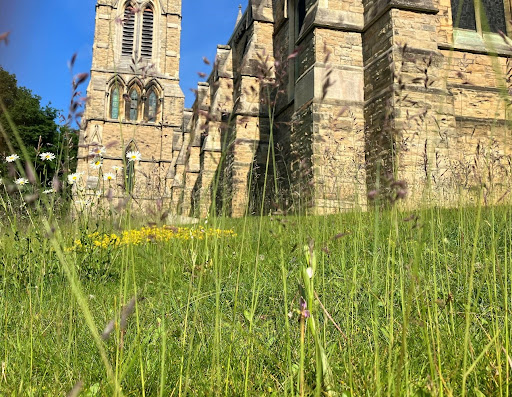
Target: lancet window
[132,105]
[151,106]
[114,102]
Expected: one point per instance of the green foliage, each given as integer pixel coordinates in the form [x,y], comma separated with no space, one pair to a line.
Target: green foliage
[34,122]
[36,127]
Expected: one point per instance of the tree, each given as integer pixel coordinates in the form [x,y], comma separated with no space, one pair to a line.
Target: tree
[35,124]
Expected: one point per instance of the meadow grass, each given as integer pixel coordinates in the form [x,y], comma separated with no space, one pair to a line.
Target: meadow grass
[404,303]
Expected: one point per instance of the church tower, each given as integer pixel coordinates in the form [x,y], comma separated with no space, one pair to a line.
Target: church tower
[135,104]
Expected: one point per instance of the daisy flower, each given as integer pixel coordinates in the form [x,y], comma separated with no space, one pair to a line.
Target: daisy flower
[117,168]
[133,156]
[48,156]
[98,150]
[21,181]
[109,176]
[73,178]
[96,164]
[12,158]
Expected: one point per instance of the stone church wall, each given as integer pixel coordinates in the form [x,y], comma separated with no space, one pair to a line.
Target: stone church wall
[379,99]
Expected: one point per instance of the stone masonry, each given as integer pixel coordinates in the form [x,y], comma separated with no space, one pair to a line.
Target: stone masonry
[312,106]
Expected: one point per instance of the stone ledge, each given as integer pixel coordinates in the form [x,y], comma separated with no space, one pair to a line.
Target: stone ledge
[375,12]
[481,120]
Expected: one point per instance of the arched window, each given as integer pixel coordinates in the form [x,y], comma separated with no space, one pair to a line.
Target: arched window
[151,106]
[114,102]
[132,105]
[146,43]
[128,31]
[480,15]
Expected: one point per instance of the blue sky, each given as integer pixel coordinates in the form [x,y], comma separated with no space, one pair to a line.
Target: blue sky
[44,37]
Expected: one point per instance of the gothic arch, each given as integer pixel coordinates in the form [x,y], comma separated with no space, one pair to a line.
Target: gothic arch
[159,5]
[131,146]
[116,79]
[135,81]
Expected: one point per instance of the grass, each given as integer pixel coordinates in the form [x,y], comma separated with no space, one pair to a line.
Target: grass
[411,304]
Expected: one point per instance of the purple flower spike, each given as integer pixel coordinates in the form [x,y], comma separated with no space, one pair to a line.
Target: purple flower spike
[303,308]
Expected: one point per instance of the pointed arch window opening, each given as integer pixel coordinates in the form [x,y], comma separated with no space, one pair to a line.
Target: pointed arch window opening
[133,105]
[152,106]
[146,49]
[128,31]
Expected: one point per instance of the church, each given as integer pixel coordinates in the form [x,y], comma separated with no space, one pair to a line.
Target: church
[314,106]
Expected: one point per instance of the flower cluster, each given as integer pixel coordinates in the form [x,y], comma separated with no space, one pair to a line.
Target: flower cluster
[97,152]
[22,181]
[150,234]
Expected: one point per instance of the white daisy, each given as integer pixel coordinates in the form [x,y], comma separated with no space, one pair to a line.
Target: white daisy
[109,176]
[48,156]
[73,178]
[117,168]
[98,150]
[133,156]
[96,164]
[21,181]
[12,158]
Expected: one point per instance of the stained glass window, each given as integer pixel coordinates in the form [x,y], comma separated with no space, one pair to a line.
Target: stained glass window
[134,105]
[495,16]
[114,103]
[463,14]
[152,106]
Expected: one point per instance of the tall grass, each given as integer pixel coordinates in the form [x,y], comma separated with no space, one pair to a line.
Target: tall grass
[401,305]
